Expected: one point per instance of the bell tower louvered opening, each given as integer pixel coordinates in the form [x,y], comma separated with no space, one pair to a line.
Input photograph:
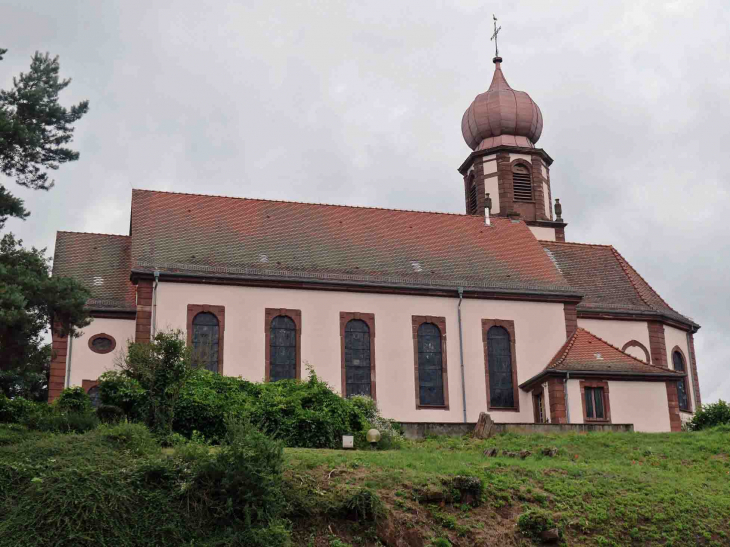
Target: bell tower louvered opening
[472,198]
[522,183]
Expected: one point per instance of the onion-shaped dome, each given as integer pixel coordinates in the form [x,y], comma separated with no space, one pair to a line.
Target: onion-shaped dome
[501,116]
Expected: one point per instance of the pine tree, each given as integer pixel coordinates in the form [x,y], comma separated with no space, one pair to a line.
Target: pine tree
[34,129]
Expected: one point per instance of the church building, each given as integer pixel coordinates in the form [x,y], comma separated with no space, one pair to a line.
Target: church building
[436,316]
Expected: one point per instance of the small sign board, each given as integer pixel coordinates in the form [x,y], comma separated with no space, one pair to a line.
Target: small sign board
[348,441]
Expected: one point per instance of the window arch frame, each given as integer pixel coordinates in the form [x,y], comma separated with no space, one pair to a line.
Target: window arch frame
[220,314]
[440,322]
[369,320]
[509,326]
[686,380]
[102,335]
[637,344]
[527,165]
[295,315]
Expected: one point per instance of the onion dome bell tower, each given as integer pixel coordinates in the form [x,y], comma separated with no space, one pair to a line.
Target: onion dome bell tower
[505,169]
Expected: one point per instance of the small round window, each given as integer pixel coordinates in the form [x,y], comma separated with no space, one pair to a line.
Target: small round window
[102,343]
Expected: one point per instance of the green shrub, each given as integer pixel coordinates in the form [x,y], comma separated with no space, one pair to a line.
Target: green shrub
[133,437]
[14,411]
[205,401]
[710,415]
[109,414]
[118,389]
[535,521]
[363,505]
[73,399]
[61,422]
[161,367]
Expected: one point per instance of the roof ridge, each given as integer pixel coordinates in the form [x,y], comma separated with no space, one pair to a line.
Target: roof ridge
[625,265]
[620,350]
[576,243]
[90,233]
[308,203]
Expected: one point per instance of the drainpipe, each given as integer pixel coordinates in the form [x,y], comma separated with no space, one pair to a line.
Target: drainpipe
[565,392]
[68,359]
[154,303]
[461,354]
[690,378]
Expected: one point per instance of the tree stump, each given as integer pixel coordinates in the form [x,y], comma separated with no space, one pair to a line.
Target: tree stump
[485,426]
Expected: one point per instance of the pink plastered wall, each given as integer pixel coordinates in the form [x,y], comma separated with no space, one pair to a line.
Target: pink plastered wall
[617,333]
[643,404]
[540,331]
[87,365]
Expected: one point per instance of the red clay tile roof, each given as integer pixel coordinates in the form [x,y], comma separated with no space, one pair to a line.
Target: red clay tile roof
[609,283]
[584,351]
[102,263]
[223,236]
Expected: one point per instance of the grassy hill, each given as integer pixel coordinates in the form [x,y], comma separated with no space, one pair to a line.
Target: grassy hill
[597,489]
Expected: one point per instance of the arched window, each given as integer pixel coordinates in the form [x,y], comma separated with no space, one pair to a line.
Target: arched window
[430,365]
[678,362]
[93,394]
[206,336]
[283,364]
[499,359]
[521,182]
[357,358]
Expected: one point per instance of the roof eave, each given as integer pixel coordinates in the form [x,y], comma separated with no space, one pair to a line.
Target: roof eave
[604,374]
[368,286]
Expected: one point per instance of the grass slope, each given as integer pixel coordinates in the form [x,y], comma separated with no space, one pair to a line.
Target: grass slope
[600,489]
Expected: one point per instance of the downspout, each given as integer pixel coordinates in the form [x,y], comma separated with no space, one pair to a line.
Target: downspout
[692,379]
[154,303]
[461,354]
[68,359]
[565,394]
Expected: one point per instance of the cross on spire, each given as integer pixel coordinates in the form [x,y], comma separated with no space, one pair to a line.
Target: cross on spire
[494,37]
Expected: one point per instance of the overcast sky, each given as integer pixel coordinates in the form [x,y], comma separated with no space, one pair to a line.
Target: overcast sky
[360,103]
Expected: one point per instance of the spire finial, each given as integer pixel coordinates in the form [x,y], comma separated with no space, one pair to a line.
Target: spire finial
[497,58]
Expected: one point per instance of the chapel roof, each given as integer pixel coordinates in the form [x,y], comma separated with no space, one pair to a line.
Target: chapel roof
[584,351]
[222,236]
[102,263]
[608,282]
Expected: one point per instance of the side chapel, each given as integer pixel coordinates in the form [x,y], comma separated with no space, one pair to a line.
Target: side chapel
[436,316]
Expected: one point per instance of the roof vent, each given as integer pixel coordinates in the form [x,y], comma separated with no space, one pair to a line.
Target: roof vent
[98,281]
[416,266]
[598,356]
[263,258]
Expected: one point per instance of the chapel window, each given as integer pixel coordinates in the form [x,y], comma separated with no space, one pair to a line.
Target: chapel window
[102,343]
[357,358]
[206,336]
[499,359]
[522,182]
[595,403]
[430,365]
[283,339]
[94,394]
[678,362]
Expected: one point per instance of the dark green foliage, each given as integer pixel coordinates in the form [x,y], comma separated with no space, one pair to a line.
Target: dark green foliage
[61,422]
[710,415]
[363,505]
[113,486]
[14,411]
[205,401]
[243,482]
[34,127]
[73,399]
[118,389]
[109,414]
[305,414]
[533,522]
[161,368]
[29,299]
